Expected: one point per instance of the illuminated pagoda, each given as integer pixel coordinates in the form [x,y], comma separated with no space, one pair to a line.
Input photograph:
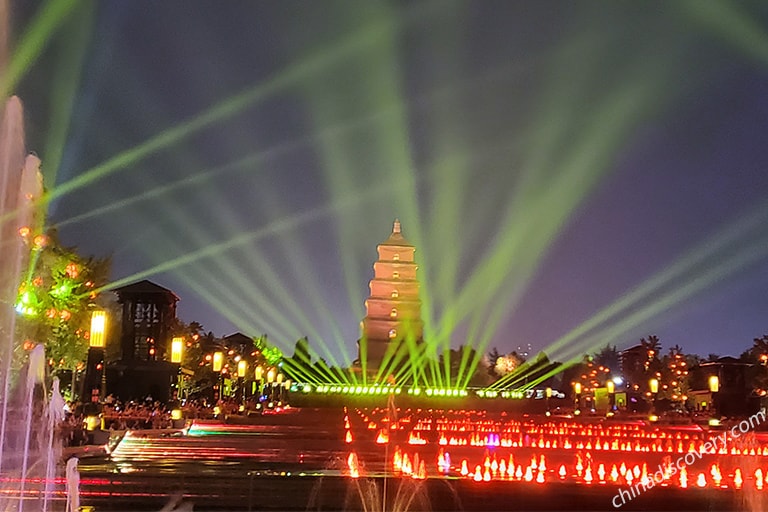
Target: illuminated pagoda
[393,310]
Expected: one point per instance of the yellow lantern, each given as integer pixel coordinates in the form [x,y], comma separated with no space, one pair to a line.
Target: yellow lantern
[714,384]
[653,384]
[577,388]
[218,361]
[177,345]
[610,386]
[242,366]
[98,329]
[259,373]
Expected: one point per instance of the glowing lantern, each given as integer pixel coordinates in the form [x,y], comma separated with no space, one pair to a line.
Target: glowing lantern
[653,385]
[714,384]
[242,366]
[177,345]
[271,375]
[218,361]
[98,329]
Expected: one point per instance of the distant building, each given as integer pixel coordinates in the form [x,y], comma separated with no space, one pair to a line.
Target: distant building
[734,396]
[632,360]
[393,310]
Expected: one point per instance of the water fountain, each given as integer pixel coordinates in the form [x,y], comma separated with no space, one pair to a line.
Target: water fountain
[28,454]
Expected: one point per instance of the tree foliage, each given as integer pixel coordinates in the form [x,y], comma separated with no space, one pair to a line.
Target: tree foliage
[58,292]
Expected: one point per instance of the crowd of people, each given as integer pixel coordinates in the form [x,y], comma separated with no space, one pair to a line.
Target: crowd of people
[114,415]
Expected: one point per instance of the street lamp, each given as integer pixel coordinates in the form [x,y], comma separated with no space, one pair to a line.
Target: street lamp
[653,386]
[218,362]
[242,367]
[714,388]
[611,388]
[177,349]
[94,383]
[577,394]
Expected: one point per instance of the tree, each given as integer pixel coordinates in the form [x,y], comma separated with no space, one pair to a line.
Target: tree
[608,357]
[507,364]
[491,359]
[56,298]
[651,344]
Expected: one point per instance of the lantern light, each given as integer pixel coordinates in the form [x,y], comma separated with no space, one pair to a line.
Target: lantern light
[654,385]
[242,366]
[177,344]
[714,384]
[258,373]
[98,329]
[218,360]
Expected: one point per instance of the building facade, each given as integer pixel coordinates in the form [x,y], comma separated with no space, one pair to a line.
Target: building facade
[393,310]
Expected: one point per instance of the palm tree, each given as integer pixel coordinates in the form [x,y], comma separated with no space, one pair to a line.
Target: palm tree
[608,356]
[652,343]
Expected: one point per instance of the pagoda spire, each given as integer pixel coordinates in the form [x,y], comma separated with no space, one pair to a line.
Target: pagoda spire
[396,227]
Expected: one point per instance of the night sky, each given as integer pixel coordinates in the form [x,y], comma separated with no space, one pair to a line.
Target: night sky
[547,158]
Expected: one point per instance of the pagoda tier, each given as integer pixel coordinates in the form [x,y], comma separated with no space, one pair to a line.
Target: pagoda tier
[393,310]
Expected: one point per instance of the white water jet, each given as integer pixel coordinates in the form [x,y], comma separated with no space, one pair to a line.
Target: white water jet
[29,450]
[73,485]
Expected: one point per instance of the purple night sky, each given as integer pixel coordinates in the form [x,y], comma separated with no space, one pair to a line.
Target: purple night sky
[349,101]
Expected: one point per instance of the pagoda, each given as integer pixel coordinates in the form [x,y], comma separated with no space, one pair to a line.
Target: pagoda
[393,309]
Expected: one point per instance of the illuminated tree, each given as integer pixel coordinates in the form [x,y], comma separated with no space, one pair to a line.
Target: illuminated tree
[507,364]
[674,381]
[56,297]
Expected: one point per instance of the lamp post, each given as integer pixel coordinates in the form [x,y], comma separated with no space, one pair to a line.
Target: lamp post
[714,389]
[218,362]
[177,350]
[577,400]
[271,386]
[242,367]
[548,395]
[653,386]
[94,383]
[611,387]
